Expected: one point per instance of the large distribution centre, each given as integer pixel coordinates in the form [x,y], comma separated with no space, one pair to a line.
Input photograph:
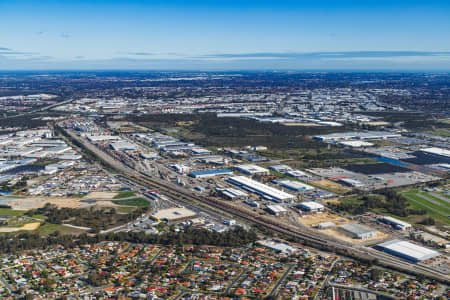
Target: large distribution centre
[261,189]
[407,250]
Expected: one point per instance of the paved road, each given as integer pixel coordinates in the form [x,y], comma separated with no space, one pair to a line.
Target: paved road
[271,223]
[230,286]
[325,282]
[283,277]
[39,109]
[6,285]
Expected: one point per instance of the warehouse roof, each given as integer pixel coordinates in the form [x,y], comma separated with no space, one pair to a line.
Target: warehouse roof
[257,187]
[277,208]
[311,205]
[252,169]
[396,221]
[356,228]
[408,250]
[356,144]
[295,185]
[211,172]
[437,151]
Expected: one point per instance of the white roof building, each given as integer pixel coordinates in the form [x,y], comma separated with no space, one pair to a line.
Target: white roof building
[399,224]
[407,250]
[311,206]
[277,210]
[123,145]
[251,169]
[355,144]
[296,186]
[437,151]
[261,189]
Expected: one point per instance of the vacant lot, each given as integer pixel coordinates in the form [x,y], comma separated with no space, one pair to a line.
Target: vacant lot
[322,217]
[330,186]
[100,195]
[28,203]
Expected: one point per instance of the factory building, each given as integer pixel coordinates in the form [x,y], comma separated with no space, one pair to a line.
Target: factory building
[355,144]
[407,250]
[296,174]
[233,194]
[358,231]
[260,189]
[280,168]
[210,173]
[277,210]
[149,155]
[100,138]
[278,247]
[325,225]
[180,169]
[351,182]
[123,146]
[398,224]
[200,151]
[371,135]
[296,186]
[251,169]
[440,153]
[311,206]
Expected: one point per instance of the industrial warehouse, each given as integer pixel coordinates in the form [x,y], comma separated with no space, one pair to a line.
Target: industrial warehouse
[261,189]
[358,231]
[296,186]
[210,173]
[397,224]
[407,250]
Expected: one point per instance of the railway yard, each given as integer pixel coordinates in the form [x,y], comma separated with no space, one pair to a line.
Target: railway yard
[171,180]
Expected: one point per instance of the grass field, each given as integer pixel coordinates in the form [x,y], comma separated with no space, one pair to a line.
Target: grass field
[122,195]
[440,132]
[48,228]
[435,207]
[11,212]
[132,202]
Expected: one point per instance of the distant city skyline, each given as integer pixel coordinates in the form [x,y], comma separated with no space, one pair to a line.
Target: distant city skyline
[225,35]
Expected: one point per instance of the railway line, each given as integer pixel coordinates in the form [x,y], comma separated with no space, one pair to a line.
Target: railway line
[184,196]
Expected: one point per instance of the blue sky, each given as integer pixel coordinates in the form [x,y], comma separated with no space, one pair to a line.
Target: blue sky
[225,35]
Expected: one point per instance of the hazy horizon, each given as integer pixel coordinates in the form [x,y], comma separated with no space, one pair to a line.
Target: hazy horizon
[321,35]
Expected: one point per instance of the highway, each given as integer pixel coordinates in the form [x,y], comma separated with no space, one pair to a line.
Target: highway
[186,197]
[41,109]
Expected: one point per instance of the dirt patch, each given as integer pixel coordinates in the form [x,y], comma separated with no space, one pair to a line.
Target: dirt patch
[9,229]
[331,186]
[337,234]
[27,227]
[38,202]
[31,226]
[322,217]
[100,195]
[99,204]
